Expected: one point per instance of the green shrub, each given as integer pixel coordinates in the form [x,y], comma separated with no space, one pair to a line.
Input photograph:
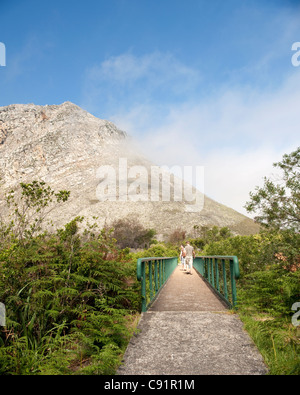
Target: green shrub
[61,293]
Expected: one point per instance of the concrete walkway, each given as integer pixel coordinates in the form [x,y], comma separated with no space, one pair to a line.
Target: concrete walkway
[189,331]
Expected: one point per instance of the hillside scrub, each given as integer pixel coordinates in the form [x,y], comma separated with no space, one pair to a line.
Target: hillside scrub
[267,289]
[269,294]
[68,308]
[130,233]
[71,296]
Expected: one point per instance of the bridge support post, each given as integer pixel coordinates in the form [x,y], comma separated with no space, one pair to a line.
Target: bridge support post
[150,280]
[233,285]
[217,274]
[156,277]
[224,279]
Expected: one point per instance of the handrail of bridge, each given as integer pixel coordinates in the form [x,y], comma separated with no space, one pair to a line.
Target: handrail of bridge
[153,273]
[211,268]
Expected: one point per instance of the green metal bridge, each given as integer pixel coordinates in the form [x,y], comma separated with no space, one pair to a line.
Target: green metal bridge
[189,324]
[215,270]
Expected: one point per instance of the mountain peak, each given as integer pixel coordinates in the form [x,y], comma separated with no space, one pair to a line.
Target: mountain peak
[23,122]
[64,146]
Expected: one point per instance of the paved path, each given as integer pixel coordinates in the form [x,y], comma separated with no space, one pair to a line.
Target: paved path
[189,331]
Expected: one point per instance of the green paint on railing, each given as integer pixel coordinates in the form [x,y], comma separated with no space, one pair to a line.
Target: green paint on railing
[153,273]
[210,268]
[219,271]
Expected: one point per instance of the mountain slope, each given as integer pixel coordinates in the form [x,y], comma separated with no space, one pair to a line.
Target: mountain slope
[69,148]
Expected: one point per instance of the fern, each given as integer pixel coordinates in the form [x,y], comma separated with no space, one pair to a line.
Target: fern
[66,305]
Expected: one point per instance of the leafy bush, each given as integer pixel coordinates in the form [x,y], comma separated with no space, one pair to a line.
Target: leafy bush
[268,287]
[271,291]
[58,290]
[257,252]
[265,300]
[69,296]
[157,250]
[178,236]
[205,235]
[131,233]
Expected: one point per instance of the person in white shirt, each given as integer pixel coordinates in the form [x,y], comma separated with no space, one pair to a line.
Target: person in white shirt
[182,257]
[190,253]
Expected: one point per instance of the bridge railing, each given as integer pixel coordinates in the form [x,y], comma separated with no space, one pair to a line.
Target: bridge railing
[153,273]
[220,272]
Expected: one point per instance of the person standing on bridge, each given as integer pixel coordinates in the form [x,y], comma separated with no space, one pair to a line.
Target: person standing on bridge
[182,257]
[190,254]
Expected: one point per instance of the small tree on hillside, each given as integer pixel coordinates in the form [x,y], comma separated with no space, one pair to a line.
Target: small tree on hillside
[129,232]
[30,204]
[178,236]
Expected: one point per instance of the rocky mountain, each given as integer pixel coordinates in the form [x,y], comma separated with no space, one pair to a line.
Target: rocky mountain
[70,149]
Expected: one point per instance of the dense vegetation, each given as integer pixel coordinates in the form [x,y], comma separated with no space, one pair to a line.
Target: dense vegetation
[69,309]
[267,289]
[71,295]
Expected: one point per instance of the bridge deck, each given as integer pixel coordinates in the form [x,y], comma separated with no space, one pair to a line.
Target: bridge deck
[186,292]
[189,331]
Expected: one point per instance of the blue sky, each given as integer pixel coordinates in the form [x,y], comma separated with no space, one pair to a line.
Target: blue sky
[195,82]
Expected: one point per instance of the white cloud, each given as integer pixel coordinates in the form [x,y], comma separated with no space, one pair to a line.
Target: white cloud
[231,175]
[236,135]
[26,59]
[156,67]
[124,81]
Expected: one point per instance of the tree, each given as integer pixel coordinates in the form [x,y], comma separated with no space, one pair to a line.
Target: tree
[129,232]
[30,205]
[209,235]
[278,204]
[178,236]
